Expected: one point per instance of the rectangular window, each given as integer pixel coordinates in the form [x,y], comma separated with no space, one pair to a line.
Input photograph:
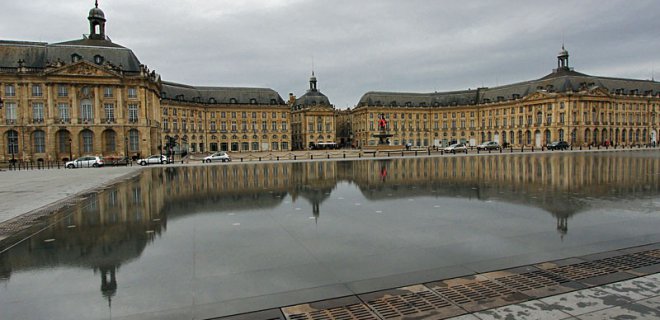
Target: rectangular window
[223,126]
[274,125]
[264,126]
[10,90]
[10,111]
[223,114]
[38,112]
[233,126]
[107,92]
[213,127]
[164,111]
[254,115]
[132,93]
[166,125]
[284,126]
[275,146]
[283,115]
[63,111]
[243,114]
[62,91]
[86,111]
[36,90]
[244,126]
[132,113]
[285,146]
[184,124]
[109,111]
[175,125]
[233,115]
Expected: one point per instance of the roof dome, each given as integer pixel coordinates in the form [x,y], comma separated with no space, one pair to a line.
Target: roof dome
[96,13]
[563,52]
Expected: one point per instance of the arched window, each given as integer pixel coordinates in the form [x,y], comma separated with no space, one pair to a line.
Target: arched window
[39,141]
[110,138]
[87,141]
[233,101]
[63,145]
[547,136]
[561,134]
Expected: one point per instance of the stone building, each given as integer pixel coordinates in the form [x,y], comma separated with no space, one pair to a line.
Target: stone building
[563,105]
[85,96]
[312,119]
[203,119]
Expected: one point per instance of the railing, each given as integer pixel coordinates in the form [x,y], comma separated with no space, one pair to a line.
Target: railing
[10,121]
[85,120]
[62,120]
[108,120]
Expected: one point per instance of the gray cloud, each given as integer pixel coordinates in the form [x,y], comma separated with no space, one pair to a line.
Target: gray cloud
[359,46]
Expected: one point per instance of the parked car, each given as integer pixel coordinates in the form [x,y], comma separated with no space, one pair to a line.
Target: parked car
[218,156]
[489,145]
[85,162]
[558,145]
[456,147]
[154,159]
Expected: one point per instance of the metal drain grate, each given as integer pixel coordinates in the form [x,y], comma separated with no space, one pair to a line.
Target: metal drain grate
[630,261]
[414,302]
[409,304]
[340,309]
[584,270]
[476,293]
[531,280]
[652,253]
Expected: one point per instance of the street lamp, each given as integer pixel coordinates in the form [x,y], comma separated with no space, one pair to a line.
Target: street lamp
[70,151]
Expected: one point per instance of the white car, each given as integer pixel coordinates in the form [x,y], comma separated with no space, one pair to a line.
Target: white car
[85,162]
[218,156]
[154,159]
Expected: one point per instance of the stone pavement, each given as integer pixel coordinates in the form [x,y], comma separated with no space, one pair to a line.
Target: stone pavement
[23,192]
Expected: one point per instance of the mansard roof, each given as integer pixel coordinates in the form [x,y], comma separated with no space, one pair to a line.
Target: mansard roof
[220,95]
[560,81]
[38,54]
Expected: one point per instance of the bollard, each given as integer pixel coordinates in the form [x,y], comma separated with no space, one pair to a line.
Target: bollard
[415,153]
[402,153]
[510,149]
[598,147]
[488,150]
[278,158]
[241,159]
[580,147]
[478,150]
[442,152]
[429,151]
[359,155]
[328,156]
[294,157]
[542,148]
[501,150]
[311,157]
[532,148]
[344,155]
[589,147]
[259,158]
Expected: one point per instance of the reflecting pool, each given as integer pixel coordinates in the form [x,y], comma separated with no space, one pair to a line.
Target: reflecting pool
[212,240]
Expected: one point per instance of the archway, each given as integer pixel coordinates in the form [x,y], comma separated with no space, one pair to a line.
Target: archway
[537,138]
[109,141]
[86,141]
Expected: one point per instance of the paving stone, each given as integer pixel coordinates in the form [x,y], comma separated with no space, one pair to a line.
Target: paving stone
[631,311]
[585,301]
[635,289]
[530,310]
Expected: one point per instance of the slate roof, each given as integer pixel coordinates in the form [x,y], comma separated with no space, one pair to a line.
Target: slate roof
[38,54]
[312,98]
[221,95]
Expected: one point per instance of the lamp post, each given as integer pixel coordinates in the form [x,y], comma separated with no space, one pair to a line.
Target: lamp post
[126,146]
[70,151]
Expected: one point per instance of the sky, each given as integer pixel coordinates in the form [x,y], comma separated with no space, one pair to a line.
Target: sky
[359,46]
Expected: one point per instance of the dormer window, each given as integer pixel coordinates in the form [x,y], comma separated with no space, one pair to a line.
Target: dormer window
[75,57]
[179,97]
[213,101]
[273,101]
[233,101]
[253,101]
[163,95]
[98,59]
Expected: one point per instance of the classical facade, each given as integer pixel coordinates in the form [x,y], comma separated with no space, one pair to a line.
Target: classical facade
[208,119]
[564,105]
[312,119]
[86,96]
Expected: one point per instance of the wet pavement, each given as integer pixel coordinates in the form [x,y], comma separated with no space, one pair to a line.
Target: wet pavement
[218,240]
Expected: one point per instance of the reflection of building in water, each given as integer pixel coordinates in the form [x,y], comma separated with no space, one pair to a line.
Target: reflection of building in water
[111,228]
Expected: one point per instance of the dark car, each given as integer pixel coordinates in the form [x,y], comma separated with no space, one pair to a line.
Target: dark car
[489,145]
[558,145]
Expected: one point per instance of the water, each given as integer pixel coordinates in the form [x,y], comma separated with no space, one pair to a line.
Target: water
[197,242]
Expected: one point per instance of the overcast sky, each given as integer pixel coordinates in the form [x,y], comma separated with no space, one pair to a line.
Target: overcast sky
[359,46]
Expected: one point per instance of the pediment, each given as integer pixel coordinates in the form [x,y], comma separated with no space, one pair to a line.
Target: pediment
[537,96]
[599,92]
[83,68]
